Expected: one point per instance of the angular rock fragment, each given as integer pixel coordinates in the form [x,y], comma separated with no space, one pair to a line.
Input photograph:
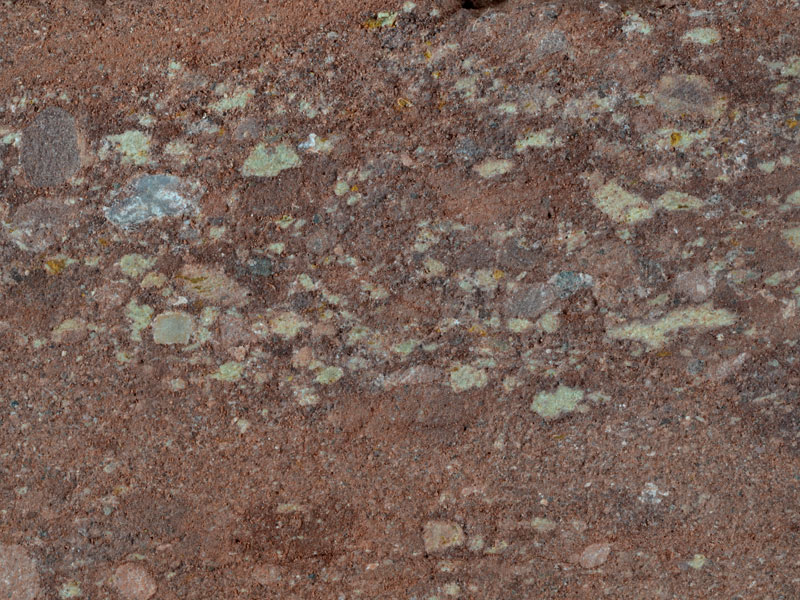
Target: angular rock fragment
[172,328]
[150,197]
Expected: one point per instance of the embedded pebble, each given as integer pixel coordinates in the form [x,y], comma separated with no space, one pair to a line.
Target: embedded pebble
[595,555]
[150,197]
[49,153]
[440,536]
[172,328]
[133,582]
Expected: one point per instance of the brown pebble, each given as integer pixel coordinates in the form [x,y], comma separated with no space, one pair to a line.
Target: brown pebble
[595,555]
[133,582]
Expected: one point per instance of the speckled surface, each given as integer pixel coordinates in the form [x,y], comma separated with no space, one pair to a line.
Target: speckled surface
[399,300]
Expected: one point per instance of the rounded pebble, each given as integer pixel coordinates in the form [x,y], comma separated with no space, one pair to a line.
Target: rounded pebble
[49,152]
[133,582]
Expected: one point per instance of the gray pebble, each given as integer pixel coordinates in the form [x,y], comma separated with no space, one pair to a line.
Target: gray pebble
[49,152]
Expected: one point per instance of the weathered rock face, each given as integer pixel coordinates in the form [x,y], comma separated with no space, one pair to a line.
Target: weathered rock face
[49,153]
[399,299]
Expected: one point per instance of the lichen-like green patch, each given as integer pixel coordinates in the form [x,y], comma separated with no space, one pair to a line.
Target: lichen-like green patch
[697,562]
[552,404]
[493,167]
[329,375]
[621,205]
[288,324]
[406,347]
[674,200]
[71,589]
[538,139]
[229,371]
[702,35]
[132,145]
[656,333]
[238,100]
[792,237]
[549,322]
[382,19]
[543,525]
[519,325]
[212,285]
[172,328]
[67,327]
[268,163]
[135,265]
[465,377]
[139,315]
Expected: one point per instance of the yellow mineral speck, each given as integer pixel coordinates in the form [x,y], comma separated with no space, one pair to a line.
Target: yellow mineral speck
[465,377]
[493,167]
[54,266]
[620,205]
[656,333]
[134,265]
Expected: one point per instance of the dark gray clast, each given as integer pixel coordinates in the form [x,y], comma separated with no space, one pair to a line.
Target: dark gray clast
[49,152]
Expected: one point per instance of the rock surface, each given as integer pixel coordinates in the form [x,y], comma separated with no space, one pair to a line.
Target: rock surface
[399,299]
[49,153]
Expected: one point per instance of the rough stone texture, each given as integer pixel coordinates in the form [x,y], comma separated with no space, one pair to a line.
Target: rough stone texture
[595,555]
[398,300]
[19,579]
[49,153]
[133,582]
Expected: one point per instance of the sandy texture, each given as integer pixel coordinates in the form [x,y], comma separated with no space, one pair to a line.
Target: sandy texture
[402,300]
